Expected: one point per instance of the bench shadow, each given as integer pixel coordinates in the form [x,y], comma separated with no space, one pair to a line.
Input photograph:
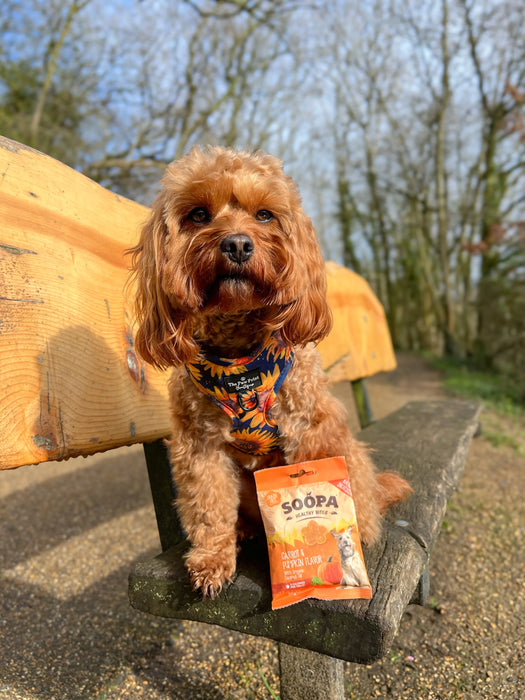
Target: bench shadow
[93,398]
[73,502]
[79,644]
[91,643]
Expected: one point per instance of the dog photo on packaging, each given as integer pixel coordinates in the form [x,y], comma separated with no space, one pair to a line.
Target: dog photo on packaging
[231,294]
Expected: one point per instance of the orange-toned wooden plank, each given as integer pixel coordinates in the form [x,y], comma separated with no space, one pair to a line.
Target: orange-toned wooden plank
[71,381]
[359,344]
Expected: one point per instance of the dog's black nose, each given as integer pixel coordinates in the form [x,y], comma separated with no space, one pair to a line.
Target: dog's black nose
[238,247]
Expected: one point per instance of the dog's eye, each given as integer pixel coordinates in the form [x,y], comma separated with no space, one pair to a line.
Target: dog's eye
[264,215]
[199,215]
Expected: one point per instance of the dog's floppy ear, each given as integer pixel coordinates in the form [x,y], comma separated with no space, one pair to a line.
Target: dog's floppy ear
[308,317]
[164,335]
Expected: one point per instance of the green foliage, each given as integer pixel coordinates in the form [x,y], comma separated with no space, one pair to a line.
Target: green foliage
[500,343]
[497,390]
[60,129]
[503,417]
[268,687]
[502,439]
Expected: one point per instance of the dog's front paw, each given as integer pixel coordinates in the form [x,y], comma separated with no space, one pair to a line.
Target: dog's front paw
[209,573]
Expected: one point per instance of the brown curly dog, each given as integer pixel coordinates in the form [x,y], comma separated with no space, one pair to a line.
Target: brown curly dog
[231,293]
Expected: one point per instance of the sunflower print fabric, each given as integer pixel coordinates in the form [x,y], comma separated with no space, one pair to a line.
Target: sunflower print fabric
[245,389]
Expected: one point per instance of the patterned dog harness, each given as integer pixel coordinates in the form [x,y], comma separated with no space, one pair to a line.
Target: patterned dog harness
[245,389]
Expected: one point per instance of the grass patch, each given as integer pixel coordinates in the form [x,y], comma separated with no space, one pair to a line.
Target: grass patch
[495,390]
[499,439]
[352,695]
[268,687]
[503,418]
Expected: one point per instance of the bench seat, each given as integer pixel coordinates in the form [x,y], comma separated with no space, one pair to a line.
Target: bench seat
[428,443]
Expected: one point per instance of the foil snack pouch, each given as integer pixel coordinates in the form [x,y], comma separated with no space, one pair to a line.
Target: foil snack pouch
[313,540]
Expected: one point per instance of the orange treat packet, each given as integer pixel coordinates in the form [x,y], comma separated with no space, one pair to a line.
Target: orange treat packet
[313,540]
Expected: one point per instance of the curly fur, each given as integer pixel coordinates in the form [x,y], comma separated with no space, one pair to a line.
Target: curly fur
[191,294]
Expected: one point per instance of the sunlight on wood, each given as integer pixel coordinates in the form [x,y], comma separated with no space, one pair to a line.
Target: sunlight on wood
[71,380]
[359,344]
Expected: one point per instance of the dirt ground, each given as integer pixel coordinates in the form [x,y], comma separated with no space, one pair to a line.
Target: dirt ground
[71,531]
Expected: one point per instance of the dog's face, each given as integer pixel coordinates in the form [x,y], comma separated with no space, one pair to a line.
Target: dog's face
[345,543]
[227,234]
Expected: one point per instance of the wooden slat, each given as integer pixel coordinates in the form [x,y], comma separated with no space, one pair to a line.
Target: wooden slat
[359,344]
[71,381]
[428,442]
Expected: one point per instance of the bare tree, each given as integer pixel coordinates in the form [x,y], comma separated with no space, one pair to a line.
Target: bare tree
[500,166]
[424,173]
[402,120]
[55,44]
[213,81]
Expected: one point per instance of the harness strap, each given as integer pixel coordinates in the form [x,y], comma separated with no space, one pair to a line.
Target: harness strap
[245,389]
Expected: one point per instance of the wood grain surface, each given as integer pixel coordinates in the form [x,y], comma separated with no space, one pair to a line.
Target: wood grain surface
[359,344]
[71,380]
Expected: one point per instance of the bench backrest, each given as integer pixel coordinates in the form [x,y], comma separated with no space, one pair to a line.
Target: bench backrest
[71,382]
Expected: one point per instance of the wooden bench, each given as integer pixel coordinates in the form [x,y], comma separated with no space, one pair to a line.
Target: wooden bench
[73,384]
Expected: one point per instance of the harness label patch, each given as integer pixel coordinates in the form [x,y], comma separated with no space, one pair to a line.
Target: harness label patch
[239,383]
